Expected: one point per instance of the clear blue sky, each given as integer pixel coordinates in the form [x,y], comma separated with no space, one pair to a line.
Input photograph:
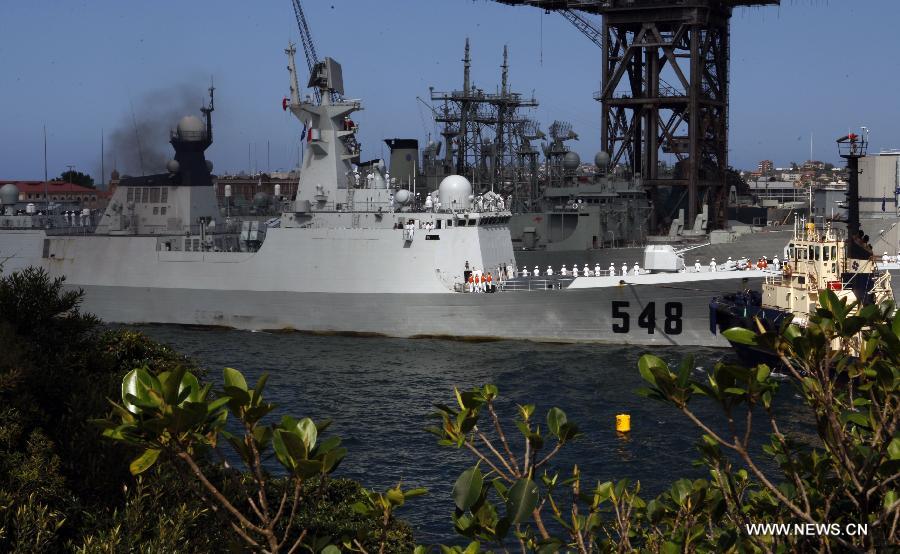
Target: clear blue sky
[810,66]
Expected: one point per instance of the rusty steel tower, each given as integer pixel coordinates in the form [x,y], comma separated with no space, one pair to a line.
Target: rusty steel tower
[664,91]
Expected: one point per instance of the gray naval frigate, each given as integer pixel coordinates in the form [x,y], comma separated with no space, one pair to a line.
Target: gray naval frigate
[350,255]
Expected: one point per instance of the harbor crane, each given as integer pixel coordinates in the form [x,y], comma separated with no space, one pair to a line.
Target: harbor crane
[309,49]
[643,115]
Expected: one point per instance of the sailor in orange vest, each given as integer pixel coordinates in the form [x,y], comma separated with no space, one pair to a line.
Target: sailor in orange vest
[471,282]
[490,282]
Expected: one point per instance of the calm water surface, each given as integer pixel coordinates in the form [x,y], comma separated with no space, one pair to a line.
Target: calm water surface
[380,393]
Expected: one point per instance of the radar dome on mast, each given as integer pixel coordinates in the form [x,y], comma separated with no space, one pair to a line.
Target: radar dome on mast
[190,128]
[571,161]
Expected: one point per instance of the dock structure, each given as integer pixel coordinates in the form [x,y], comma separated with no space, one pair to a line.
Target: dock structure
[665,74]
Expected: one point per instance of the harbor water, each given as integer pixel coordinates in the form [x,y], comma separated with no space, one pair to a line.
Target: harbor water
[380,393]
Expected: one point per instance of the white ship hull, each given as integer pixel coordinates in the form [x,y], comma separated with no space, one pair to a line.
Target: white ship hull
[291,285]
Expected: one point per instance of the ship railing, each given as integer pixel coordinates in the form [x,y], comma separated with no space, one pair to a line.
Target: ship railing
[774,279]
[72,230]
[525,284]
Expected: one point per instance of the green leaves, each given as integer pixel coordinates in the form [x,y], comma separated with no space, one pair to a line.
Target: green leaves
[521,500]
[467,489]
[144,462]
[560,426]
[741,335]
[234,378]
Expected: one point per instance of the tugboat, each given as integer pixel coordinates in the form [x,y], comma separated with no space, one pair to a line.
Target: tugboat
[817,259]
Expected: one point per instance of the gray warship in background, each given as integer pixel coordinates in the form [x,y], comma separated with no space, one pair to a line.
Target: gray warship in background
[350,255]
[564,211]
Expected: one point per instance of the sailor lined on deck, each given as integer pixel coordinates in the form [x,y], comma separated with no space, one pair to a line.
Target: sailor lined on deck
[612,270]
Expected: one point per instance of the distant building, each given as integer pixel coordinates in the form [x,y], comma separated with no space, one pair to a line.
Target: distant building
[830,202]
[245,188]
[765,167]
[57,192]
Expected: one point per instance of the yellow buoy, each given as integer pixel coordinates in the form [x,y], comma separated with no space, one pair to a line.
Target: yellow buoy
[623,423]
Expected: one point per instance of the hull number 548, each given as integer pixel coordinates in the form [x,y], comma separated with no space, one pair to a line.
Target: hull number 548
[646,319]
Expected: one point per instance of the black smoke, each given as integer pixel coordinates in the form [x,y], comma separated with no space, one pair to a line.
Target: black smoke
[139,144]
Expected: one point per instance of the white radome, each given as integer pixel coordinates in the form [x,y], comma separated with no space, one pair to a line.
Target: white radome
[455,192]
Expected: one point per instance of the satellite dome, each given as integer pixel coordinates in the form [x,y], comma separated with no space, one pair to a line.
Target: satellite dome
[9,194]
[172,166]
[190,128]
[402,197]
[601,160]
[455,192]
[571,161]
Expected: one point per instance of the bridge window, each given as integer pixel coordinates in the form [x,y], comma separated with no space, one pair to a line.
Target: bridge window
[154,195]
[825,256]
[164,195]
[818,253]
[834,252]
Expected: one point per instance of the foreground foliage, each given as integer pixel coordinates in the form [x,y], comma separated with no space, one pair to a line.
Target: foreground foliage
[173,416]
[848,476]
[64,487]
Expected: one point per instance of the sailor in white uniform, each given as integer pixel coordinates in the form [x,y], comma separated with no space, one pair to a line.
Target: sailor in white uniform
[549,271]
[636,269]
[712,265]
[564,272]
[696,266]
[537,271]
[612,270]
[574,271]
[597,270]
[525,272]
[624,269]
[884,258]
[429,203]
[777,263]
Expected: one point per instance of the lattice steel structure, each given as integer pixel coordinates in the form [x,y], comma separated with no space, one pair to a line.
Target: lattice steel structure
[488,136]
[665,91]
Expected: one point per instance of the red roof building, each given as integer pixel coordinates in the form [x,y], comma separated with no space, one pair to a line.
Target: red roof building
[57,191]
